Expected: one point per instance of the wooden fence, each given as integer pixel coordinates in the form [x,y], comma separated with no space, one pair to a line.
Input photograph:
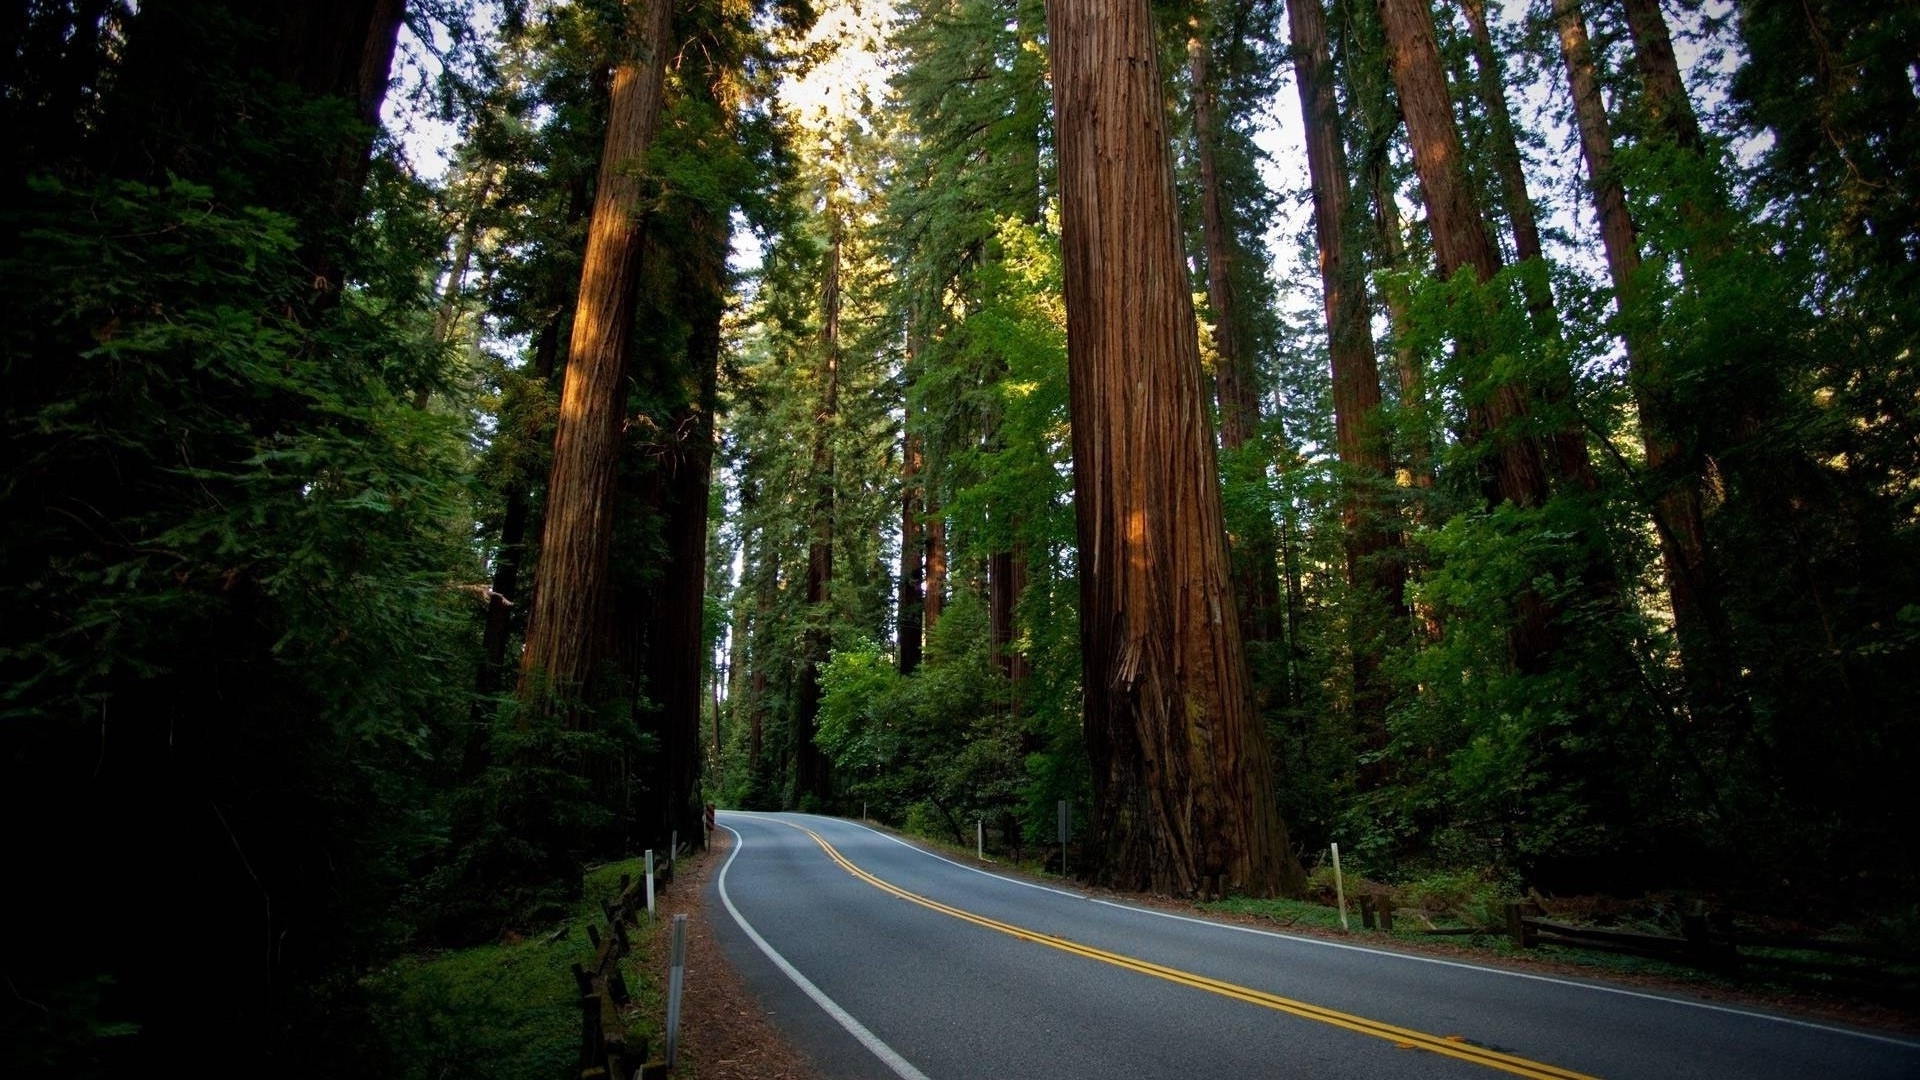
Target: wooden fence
[607,1050]
[1710,942]
[1706,941]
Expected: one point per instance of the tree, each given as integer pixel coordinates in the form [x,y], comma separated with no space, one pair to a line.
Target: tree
[1678,517]
[234,549]
[1374,565]
[1183,797]
[1236,378]
[567,628]
[1497,403]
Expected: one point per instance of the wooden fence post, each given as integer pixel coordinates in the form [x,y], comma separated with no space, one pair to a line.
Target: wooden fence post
[1366,910]
[1517,926]
[592,1053]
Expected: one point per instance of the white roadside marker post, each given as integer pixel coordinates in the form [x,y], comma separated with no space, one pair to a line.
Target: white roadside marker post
[676,980]
[1339,888]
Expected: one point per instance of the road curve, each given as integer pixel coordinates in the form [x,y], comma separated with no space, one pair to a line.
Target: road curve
[885,961]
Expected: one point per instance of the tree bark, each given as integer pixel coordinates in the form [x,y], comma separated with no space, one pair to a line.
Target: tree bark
[811,763]
[1256,586]
[1460,238]
[1665,93]
[1679,518]
[567,625]
[673,661]
[936,592]
[1374,568]
[913,555]
[1408,367]
[1497,407]
[1182,774]
[1568,441]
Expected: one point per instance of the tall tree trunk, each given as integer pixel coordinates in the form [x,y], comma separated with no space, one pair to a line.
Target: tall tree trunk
[1374,567]
[1679,519]
[811,764]
[676,612]
[1182,774]
[913,554]
[936,592]
[1498,408]
[1364,50]
[1256,586]
[1665,92]
[1408,367]
[446,315]
[1568,441]
[567,624]
[509,562]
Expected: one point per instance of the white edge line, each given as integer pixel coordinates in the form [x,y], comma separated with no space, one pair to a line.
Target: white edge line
[1601,988]
[901,1067]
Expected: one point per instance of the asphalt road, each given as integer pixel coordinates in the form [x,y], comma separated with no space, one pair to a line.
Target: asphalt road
[882,960]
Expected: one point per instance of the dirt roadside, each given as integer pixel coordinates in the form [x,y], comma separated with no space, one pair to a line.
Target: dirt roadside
[724,1034]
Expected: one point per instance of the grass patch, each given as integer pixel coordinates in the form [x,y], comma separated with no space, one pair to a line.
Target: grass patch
[1285,913]
[507,1010]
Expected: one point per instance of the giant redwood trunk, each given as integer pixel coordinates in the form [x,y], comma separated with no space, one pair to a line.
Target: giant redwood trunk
[675,634]
[1374,566]
[567,625]
[1182,774]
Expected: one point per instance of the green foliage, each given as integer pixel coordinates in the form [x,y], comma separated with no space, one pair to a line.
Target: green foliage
[506,1009]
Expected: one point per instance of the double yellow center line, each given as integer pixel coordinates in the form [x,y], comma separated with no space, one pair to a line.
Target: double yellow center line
[1406,1038]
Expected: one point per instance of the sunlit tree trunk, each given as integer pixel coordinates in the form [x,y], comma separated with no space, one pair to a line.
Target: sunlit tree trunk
[567,624]
[1182,774]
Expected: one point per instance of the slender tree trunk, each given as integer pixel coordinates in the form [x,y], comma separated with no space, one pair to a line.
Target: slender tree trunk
[509,563]
[1460,238]
[1664,91]
[913,554]
[567,624]
[1183,778]
[1568,442]
[1374,567]
[936,598]
[1498,409]
[673,662]
[1679,519]
[1364,49]
[1408,368]
[1256,586]
[810,761]
[446,315]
